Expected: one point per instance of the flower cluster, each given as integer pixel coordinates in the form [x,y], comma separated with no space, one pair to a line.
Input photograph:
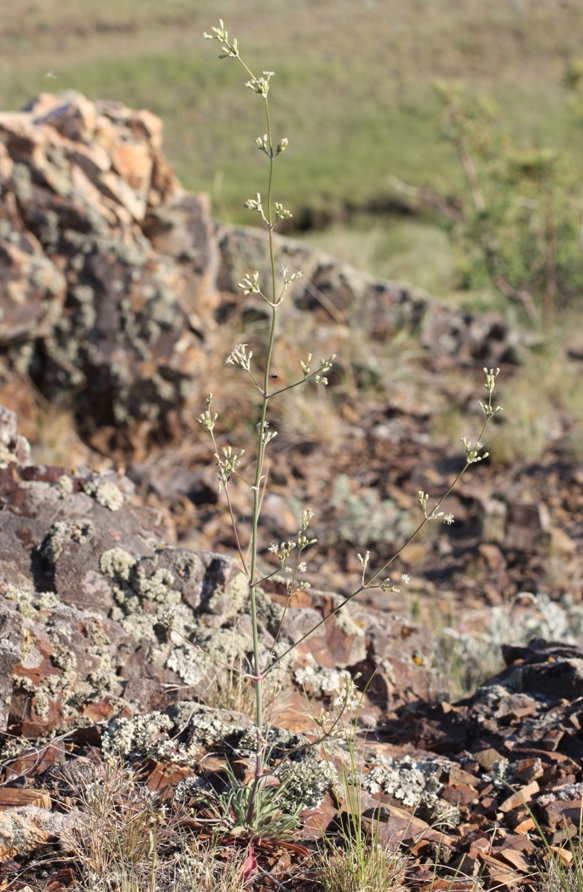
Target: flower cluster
[267,434]
[228,464]
[491,376]
[435,514]
[287,279]
[261,84]
[263,144]
[319,376]
[250,283]
[240,357]
[473,451]
[208,419]
[229,50]
[281,213]
[282,551]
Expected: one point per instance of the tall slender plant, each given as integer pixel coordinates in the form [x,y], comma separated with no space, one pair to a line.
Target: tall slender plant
[271,213]
[289,554]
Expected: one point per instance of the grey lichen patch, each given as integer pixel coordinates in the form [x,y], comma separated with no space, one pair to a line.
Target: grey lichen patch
[157,587]
[64,485]
[28,644]
[180,734]
[191,788]
[210,651]
[117,564]
[296,762]
[41,489]
[30,603]
[26,609]
[187,564]
[222,646]
[238,590]
[54,542]
[98,637]
[42,704]
[269,613]
[137,625]
[6,456]
[45,600]
[17,746]
[100,684]
[188,663]
[80,531]
[406,779]
[65,660]
[501,774]
[227,599]
[198,727]
[65,685]
[347,625]
[158,654]
[104,681]
[416,783]
[132,587]
[139,735]
[491,695]
[106,492]
[39,695]
[439,813]
[306,782]
[187,634]
[326,682]
[56,685]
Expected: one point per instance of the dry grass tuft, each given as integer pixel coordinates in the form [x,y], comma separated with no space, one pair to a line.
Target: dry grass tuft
[369,867]
[126,841]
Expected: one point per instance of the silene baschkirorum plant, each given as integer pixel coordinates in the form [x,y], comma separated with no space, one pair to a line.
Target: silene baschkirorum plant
[290,555]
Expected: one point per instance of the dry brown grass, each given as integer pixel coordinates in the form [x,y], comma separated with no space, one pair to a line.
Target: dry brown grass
[126,841]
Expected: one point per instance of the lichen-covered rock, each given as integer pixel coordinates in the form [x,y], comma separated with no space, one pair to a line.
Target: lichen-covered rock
[11,643]
[32,289]
[106,315]
[13,446]
[344,294]
[87,587]
[103,618]
[113,279]
[22,830]
[179,734]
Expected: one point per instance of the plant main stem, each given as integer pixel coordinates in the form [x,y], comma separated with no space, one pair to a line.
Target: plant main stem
[260,747]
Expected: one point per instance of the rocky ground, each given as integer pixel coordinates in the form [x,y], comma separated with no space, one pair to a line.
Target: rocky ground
[124,617]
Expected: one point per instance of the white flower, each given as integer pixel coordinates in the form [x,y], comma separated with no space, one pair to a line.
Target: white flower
[240,357]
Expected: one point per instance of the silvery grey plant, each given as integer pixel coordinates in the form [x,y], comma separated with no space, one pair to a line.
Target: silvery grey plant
[289,554]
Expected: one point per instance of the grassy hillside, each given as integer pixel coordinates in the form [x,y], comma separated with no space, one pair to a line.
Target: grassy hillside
[355,98]
[356,75]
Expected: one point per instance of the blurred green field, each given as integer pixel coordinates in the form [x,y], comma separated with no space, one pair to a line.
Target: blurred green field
[353,93]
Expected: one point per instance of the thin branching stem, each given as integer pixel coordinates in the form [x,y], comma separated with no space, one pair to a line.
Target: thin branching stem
[370,584]
[225,484]
[296,383]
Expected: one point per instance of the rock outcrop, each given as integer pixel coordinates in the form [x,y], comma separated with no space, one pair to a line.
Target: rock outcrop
[88,304]
[112,276]
[99,616]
